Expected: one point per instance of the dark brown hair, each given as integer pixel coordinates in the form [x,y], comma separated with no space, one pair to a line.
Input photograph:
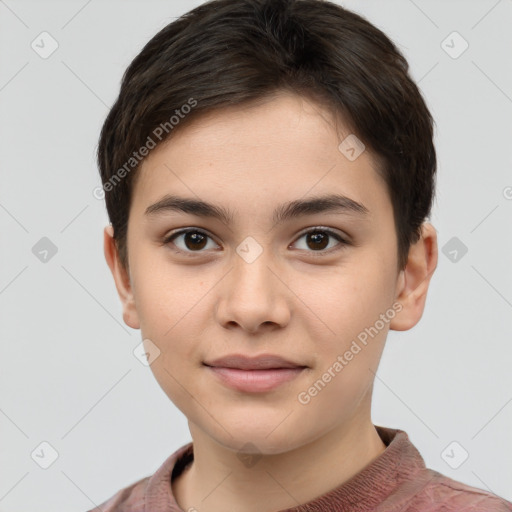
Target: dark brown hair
[233,52]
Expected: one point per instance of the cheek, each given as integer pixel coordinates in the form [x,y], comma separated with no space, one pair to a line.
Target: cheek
[167,297]
[347,298]
[349,358]
[169,305]
[351,307]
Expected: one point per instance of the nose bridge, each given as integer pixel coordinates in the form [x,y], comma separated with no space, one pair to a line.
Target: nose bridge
[251,273]
[253,295]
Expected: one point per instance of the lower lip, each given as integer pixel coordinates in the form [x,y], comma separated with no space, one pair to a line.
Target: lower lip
[255,381]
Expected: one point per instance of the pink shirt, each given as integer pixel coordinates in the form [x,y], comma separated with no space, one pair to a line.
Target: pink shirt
[396,481]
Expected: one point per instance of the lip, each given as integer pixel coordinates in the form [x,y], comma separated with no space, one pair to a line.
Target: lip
[260,362]
[255,381]
[254,374]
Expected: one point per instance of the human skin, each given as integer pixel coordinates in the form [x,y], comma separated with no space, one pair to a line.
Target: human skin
[289,301]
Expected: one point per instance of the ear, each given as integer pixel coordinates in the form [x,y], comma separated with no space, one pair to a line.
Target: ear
[121,278]
[413,281]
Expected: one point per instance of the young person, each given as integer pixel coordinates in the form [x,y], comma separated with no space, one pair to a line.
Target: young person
[268,170]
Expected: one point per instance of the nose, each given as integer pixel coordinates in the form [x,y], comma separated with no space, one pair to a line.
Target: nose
[253,296]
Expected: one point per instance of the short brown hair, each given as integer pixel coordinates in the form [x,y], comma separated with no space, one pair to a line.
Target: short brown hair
[232,52]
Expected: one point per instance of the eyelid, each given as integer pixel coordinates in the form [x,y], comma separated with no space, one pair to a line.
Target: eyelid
[171,236]
[330,231]
[342,239]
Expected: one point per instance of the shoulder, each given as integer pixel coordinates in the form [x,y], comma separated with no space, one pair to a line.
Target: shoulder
[152,492]
[443,494]
[129,499]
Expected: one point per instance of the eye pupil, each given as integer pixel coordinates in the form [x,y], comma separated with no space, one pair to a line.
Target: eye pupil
[317,237]
[198,240]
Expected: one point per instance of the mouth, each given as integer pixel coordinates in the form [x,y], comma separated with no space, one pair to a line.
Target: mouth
[260,362]
[254,375]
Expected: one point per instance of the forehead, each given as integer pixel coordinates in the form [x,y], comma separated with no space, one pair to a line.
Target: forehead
[252,157]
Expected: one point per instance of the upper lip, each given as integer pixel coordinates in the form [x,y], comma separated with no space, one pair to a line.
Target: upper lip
[261,362]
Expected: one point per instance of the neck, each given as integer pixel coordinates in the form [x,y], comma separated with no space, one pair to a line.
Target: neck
[216,481]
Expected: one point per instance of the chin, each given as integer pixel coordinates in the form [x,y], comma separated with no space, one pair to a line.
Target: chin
[261,439]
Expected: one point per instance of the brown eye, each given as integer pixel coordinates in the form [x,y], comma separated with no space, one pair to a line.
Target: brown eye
[189,240]
[194,240]
[318,239]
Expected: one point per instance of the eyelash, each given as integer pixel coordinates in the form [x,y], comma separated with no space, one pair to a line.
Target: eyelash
[329,232]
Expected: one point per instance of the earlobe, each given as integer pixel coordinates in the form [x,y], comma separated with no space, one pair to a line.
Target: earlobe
[121,278]
[414,280]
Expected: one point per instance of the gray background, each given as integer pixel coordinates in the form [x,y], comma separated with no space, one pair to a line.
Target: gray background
[68,375]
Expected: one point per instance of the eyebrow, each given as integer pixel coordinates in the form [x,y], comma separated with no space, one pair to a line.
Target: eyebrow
[332,203]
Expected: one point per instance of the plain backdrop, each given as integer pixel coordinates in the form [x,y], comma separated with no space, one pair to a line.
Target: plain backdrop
[68,375]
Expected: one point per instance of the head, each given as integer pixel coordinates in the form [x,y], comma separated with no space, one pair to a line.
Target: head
[270,111]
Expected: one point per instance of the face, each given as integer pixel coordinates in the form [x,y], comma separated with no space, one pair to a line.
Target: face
[308,285]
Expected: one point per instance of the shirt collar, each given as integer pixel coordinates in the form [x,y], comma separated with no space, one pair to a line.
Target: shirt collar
[398,463]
